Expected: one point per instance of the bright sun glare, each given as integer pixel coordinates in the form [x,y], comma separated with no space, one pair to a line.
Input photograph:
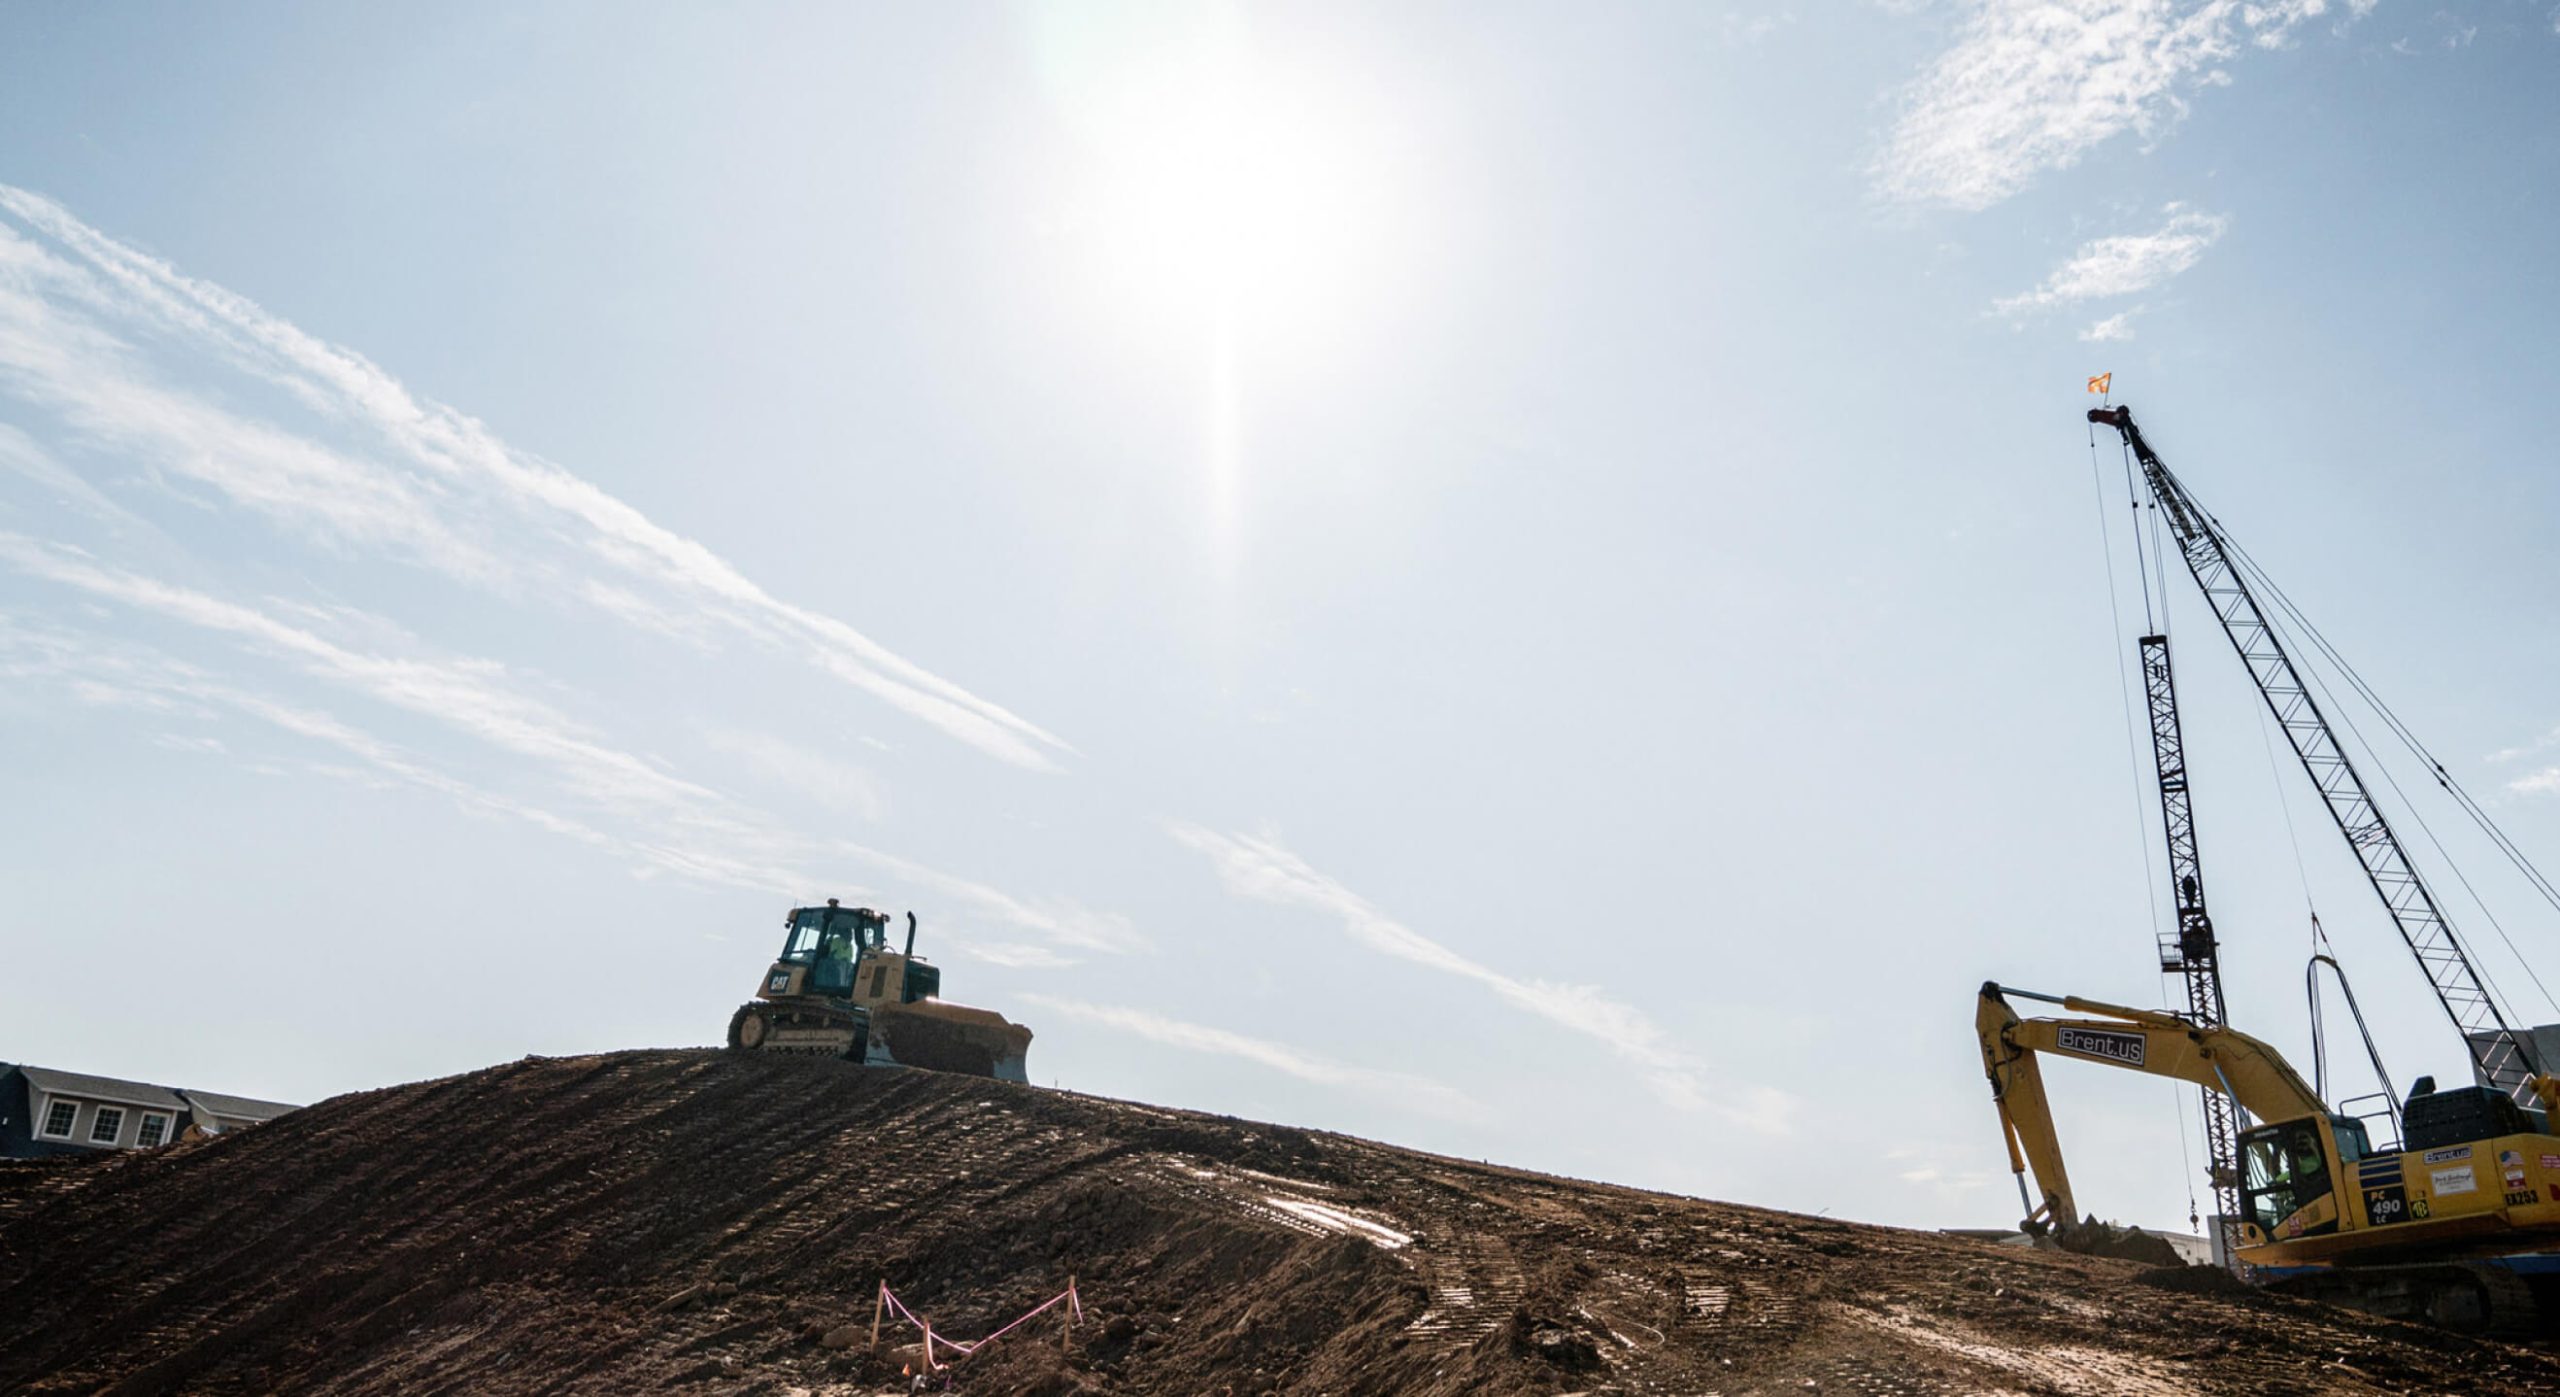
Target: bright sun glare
[1231,200]
[1223,181]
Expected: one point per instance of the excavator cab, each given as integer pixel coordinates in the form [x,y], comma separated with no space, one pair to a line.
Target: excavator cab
[2289,1174]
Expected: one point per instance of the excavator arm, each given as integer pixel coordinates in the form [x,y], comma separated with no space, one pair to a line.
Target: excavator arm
[2249,1072]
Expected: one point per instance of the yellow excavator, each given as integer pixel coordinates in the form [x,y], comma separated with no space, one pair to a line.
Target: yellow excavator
[2459,1224]
[837,990]
[2456,1221]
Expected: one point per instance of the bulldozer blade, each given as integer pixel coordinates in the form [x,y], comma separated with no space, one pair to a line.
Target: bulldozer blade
[951,1038]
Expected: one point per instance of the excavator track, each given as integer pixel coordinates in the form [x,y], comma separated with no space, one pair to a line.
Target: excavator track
[2470,1296]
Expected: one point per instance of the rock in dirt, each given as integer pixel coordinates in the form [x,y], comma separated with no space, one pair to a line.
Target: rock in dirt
[1553,1342]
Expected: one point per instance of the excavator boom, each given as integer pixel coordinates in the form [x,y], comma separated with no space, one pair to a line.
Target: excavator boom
[2254,1076]
[2459,1225]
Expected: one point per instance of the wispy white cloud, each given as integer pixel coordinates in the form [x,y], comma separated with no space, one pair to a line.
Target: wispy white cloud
[2030,86]
[471,695]
[437,485]
[128,675]
[1947,1170]
[667,823]
[2124,265]
[641,613]
[1752,29]
[824,778]
[2115,327]
[192,742]
[1266,871]
[55,354]
[2540,744]
[1404,1088]
[22,456]
[1014,955]
[1063,921]
[2545,782]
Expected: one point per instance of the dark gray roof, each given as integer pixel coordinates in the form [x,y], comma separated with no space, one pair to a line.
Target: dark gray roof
[80,1084]
[238,1107]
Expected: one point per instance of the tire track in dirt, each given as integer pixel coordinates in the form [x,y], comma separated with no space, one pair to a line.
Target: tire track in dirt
[691,1221]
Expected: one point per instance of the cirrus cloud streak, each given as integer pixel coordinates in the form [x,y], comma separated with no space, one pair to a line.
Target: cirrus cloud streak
[78,308]
[1266,871]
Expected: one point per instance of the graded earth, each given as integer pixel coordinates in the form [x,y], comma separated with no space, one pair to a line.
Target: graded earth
[708,1222]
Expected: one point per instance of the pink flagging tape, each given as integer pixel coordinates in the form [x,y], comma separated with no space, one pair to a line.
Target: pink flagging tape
[1017,1324]
[898,1307]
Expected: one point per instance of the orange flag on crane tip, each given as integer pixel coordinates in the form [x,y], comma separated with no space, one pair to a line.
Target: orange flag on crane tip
[2099,384]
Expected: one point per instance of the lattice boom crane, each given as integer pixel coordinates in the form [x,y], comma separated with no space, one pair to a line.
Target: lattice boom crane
[2503,1057]
[2191,950]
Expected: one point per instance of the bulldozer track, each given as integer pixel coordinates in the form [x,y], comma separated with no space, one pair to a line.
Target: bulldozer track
[1475,1284]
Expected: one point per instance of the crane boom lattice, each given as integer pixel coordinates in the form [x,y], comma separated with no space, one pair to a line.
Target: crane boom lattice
[2189,949]
[2501,1055]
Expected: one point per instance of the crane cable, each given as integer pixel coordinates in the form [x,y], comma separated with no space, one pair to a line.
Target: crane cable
[2195,1215]
[2420,820]
[2310,905]
[2159,563]
[2133,750]
[2275,773]
[2417,817]
[2124,677]
[2141,566]
[2392,781]
[2408,738]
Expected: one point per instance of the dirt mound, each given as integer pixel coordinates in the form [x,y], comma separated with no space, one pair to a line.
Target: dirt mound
[2095,1238]
[2195,1280]
[716,1223]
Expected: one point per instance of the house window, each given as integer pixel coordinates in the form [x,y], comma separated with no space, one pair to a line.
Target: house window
[155,1129]
[58,1118]
[107,1125]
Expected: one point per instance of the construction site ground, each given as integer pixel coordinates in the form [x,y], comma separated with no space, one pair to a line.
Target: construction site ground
[699,1221]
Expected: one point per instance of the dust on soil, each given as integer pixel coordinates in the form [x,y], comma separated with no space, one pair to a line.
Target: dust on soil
[697,1221]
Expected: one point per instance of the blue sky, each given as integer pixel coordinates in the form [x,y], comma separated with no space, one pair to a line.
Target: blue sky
[1528,588]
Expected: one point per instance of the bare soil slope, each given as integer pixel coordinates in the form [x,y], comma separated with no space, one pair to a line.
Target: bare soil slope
[695,1221]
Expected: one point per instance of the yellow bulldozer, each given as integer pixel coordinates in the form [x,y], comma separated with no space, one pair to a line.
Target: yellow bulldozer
[837,990]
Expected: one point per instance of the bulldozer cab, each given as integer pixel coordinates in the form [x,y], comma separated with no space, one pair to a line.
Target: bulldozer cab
[831,942]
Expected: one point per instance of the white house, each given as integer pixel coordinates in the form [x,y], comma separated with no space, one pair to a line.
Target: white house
[44,1111]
